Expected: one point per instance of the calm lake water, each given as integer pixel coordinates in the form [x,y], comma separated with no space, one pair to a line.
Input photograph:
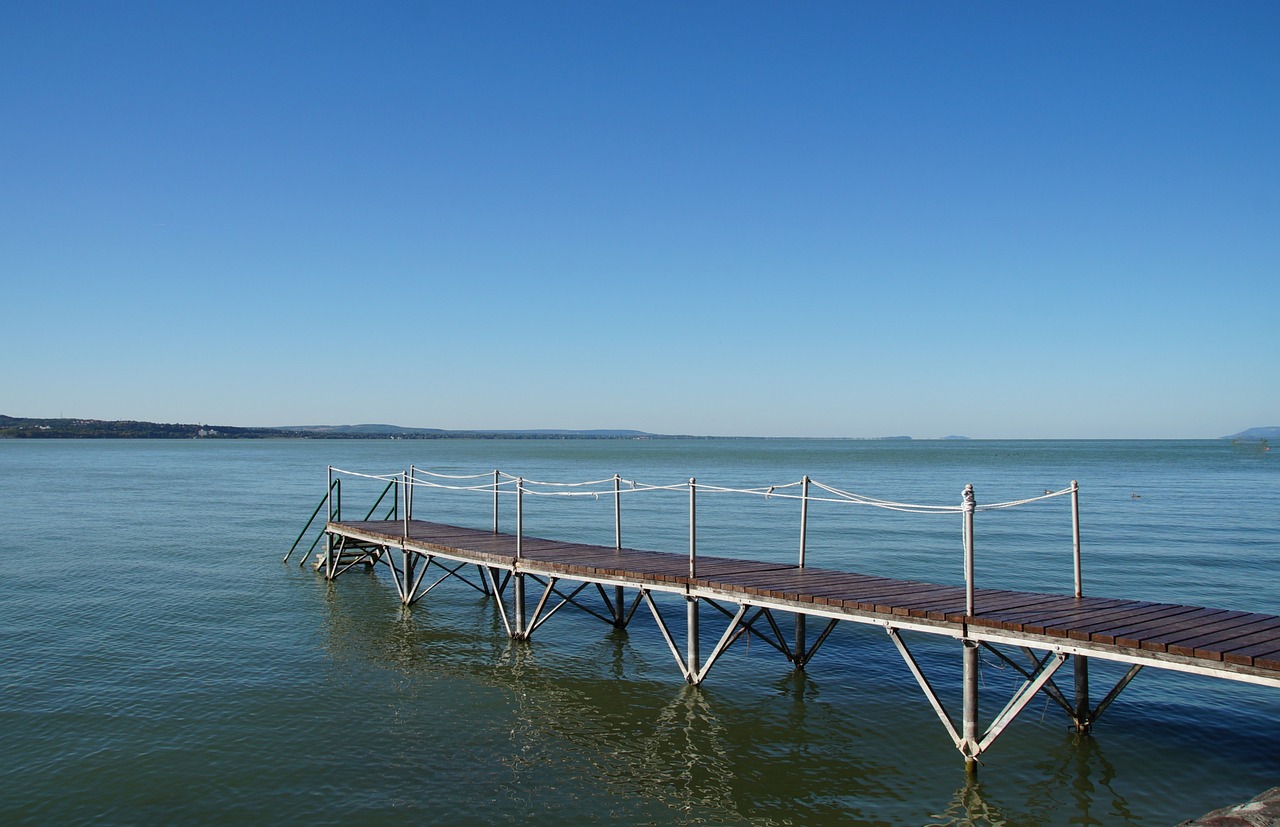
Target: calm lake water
[159,665]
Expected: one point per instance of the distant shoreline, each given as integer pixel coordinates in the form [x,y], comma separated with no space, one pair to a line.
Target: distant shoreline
[64,428]
[35,428]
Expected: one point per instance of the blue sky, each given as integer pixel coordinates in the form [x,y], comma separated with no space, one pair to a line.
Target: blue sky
[743,218]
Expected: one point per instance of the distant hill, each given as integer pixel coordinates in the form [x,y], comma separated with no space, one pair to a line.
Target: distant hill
[1271,432]
[28,428]
[34,428]
[438,433]
[361,430]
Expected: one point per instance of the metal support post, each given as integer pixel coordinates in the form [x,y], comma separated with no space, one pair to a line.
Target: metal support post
[801,643]
[406,566]
[495,501]
[518,578]
[694,656]
[408,509]
[968,506]
[969,707]
[618,600]
[1075,536]
[1079,664]
[1082,716]
[693,528]
[404,499]
[969,701]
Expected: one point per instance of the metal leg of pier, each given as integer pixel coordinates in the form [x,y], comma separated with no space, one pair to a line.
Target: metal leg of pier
[1082,716]
[694,666]
[799,658]
[969,708]
[518,599]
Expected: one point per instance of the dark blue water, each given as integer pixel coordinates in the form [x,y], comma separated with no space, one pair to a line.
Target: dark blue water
[158,664]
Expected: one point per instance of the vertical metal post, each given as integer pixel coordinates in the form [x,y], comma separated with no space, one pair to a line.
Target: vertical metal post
[1079,664]
[404,496]
[406,566]
[519,518]
[617,543]
[617,511]
[495,501]
[692,602]
[1075,535]
[969,702]
[801,619]
[969,699]
[412,475]
[328,538]
[804,517]
[517,576]
[968,505]
[694,656]
[693,528]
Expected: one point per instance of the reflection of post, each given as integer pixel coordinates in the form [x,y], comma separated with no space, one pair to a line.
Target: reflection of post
[969,733]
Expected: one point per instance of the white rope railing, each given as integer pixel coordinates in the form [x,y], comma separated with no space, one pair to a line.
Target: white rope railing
[509,483]
[499,483]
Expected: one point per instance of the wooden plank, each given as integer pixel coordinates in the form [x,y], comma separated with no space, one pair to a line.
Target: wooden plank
[1189,635]
[1131,634]
[1084,630]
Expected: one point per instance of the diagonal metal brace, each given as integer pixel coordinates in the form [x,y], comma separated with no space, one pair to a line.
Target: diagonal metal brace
[924,684]
[1021,698]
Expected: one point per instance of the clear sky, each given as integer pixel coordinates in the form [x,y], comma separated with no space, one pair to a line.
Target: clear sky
[997,219]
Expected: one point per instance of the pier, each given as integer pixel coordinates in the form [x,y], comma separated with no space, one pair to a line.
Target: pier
[791,606]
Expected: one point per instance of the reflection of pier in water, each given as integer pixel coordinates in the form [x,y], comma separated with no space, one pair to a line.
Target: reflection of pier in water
[1033,633]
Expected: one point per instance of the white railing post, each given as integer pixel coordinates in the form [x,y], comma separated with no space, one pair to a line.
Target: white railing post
[804,517]
[1075,536]
[693,528]
[801,619]
[969,744]
[968,506]
[404,499]
[617,511]
[517,592]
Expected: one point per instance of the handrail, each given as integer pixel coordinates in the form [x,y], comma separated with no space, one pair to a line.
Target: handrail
[966,510]
[394,502]
[311,520]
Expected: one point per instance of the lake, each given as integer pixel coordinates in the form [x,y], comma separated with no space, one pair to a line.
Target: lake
[159,664]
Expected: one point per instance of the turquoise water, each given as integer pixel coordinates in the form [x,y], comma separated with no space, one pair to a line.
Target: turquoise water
[158,664]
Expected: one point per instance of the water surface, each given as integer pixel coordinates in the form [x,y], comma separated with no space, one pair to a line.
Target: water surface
[159,665]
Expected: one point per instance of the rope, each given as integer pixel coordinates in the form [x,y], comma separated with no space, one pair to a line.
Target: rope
[379,477]
[512,484]
[486,475]
[1048,495]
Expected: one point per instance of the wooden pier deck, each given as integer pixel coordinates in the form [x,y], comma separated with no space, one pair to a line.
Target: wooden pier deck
[1229,644]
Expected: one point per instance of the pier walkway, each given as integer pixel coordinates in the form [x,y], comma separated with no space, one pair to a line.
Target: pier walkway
[1048,630]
